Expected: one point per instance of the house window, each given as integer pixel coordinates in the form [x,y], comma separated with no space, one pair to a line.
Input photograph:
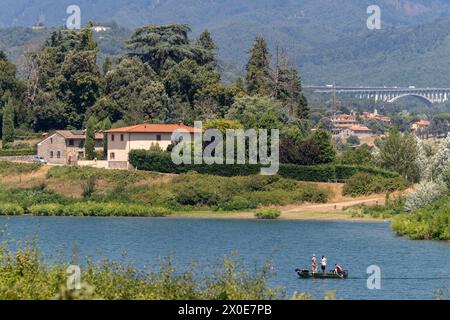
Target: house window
[112,155]
[71,143]
[112,137]
[58,154]
[51,140]
[80,155]
[158,137]
[122,137]
[51,154]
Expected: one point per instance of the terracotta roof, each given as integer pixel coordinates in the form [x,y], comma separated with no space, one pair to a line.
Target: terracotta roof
[342,121]
[423,123]
[360,129]
[344,125]
[152,128]
[78,134]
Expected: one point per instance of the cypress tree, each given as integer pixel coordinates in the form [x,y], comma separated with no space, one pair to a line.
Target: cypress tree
[90,138]
[106,126]
[8,124]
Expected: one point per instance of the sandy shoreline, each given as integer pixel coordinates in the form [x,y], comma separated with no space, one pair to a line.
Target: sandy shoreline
[307,216]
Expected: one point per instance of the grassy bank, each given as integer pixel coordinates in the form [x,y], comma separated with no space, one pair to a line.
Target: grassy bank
[40,190]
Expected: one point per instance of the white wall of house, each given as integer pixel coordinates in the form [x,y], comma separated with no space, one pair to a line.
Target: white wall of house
[120,144]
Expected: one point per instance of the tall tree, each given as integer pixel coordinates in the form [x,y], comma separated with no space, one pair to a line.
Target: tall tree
[398,153]
[287,88]
[8,124]
[258,78]
[8,81]
[206,42]
[323,140]
[78,85]
[89,144]
[106,125]
[64,75]
[162,47]
[133,92]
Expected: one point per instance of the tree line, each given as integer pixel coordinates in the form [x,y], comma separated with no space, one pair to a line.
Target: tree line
[165,77]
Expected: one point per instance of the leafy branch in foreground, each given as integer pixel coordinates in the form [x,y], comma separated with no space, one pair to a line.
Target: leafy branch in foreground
[25,275]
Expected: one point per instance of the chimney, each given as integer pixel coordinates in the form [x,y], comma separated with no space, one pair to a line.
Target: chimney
[180,123]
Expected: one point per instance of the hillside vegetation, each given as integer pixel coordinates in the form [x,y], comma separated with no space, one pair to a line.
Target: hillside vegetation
[100,192]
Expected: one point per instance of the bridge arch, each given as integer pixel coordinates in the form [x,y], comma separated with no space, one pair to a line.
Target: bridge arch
[416,95]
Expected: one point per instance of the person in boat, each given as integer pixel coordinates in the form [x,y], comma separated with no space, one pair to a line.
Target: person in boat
[323,264]
[338,269]
[314,264]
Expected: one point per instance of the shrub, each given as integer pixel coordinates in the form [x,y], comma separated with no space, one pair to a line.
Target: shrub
[83,173]
[424,194]
[268,214]
[10,209]
[162,162]
[17,152]
[98,209]
[40,186]
[29,197]
[25,275]
[353,140]
[89,186]
[13,168]
[365,184]
[238,203]
[49,209]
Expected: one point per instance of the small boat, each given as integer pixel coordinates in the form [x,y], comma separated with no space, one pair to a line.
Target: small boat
[306,274]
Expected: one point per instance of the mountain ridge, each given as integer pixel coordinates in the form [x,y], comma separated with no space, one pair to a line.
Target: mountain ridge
[327,39]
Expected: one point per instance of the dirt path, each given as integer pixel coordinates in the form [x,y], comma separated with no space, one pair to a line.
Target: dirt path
[331,211]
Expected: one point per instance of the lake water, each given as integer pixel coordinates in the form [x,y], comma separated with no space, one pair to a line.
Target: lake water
[410,269]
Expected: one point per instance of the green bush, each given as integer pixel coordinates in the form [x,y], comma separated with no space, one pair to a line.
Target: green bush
[25,275]
[10,209]
[162,162]
[238,203]
[98,209]
[14,168]
[268,214]
[29,197]
[83,173]
[365,184]
[48,209]
[431,223]
[17,152]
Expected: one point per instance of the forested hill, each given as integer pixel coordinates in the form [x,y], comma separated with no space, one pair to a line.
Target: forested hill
[327,39]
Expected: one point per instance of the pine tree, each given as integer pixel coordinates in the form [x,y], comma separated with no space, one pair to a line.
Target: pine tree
[90,138]
[206,42]
[8,124]
[258,78]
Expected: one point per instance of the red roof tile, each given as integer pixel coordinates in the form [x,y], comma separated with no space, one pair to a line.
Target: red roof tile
[153,128]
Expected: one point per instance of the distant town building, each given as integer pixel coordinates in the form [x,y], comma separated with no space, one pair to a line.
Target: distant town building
[343,122]
[39,26]
[100,28]
[419,126]
[377,117]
